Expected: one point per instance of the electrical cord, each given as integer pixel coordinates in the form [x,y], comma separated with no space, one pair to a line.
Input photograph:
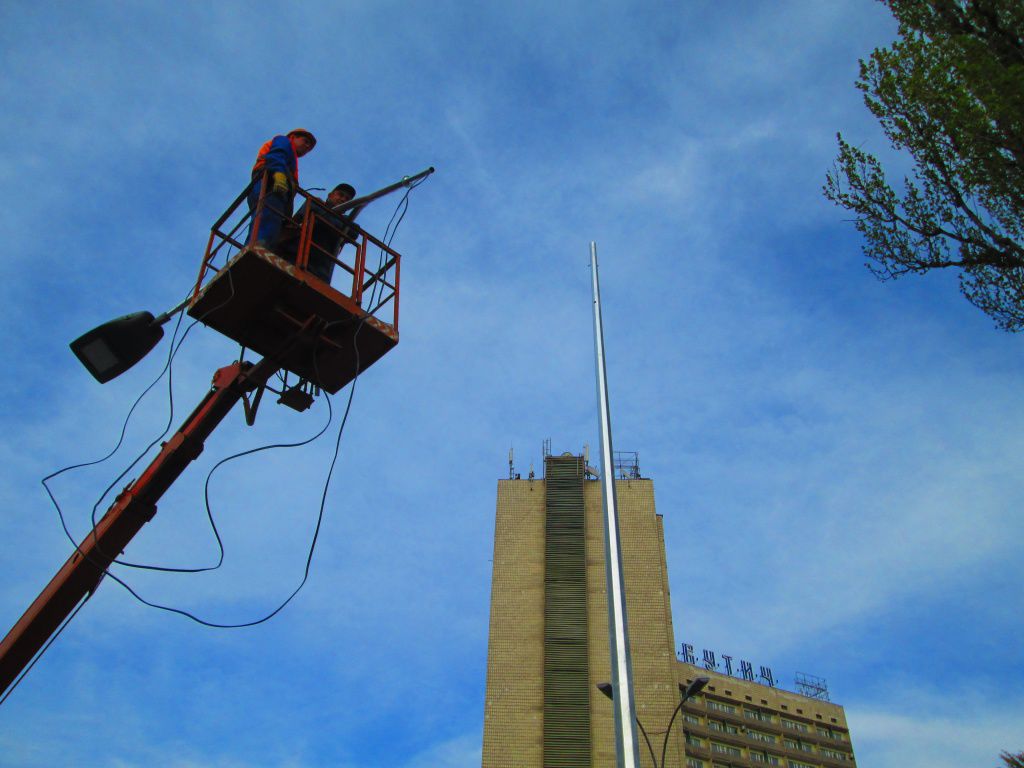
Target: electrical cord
[175,347]
[124,429]
[316,531]
[240,454]
[403,206]
[170,421]
[167,369]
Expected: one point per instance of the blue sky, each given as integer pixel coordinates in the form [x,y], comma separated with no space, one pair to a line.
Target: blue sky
[837,461]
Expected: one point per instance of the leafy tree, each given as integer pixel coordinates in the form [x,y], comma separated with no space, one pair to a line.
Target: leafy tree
[1013,761]
[950,92]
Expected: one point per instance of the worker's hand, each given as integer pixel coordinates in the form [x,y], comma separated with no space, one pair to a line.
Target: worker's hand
[280,182]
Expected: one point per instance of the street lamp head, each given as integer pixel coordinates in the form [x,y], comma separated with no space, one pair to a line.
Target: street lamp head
[606,689]
[112,348]
[693,688]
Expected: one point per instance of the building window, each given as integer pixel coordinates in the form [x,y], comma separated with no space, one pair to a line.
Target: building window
[756,714]
[720,707]
[795,726]
[790,744]
[715,725]
[693,762]
[725,749]
[763,757]
[693,741]
[759,736]
[834,754]
[691,718]
[798,764]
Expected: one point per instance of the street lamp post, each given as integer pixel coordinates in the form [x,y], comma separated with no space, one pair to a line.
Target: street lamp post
[687,692]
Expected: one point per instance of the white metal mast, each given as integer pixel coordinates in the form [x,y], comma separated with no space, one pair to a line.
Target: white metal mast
[626,747]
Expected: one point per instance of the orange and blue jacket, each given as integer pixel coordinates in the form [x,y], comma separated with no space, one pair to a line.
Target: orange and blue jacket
[278,156]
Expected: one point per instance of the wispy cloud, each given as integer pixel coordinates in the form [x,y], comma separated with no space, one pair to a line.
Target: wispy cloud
[835,459]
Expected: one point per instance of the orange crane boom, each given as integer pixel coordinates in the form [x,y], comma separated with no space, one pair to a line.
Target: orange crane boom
[133,508]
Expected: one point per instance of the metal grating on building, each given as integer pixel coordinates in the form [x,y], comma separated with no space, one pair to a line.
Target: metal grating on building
[566,690]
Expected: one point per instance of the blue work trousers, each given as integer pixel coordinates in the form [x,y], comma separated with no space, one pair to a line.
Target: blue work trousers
[276,207]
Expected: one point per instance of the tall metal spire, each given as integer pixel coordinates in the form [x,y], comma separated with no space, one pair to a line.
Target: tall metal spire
[627,749]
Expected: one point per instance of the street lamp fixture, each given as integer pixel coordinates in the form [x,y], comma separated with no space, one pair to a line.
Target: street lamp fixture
[686,693]
[110,349]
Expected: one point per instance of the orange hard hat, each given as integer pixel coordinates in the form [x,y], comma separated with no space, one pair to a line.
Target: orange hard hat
[303,132]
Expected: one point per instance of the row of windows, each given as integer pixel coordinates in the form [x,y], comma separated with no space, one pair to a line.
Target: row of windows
[726,749]
[752,714]
[732,730]
[829,734]
[834,754]
[791,744]
[757,757]
[763,757]
[768,738]
[762,717]
[719,706]
[692,762]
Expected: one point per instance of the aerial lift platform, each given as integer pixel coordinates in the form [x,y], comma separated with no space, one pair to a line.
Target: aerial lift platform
[269,303]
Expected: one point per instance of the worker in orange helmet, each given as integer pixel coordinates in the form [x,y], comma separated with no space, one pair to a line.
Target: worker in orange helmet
[277,166]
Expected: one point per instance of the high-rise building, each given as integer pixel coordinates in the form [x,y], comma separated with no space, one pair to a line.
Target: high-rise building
[548,646]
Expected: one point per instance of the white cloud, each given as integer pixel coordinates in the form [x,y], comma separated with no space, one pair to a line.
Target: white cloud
[938,729]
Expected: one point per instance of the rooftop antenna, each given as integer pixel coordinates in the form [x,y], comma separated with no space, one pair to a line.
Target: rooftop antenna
[511,469]
[627,750]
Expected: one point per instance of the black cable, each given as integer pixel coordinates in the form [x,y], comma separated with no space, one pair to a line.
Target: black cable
[170,422]
[168,369]
[240,454]
[403,205]
[124,429]
[316,531]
